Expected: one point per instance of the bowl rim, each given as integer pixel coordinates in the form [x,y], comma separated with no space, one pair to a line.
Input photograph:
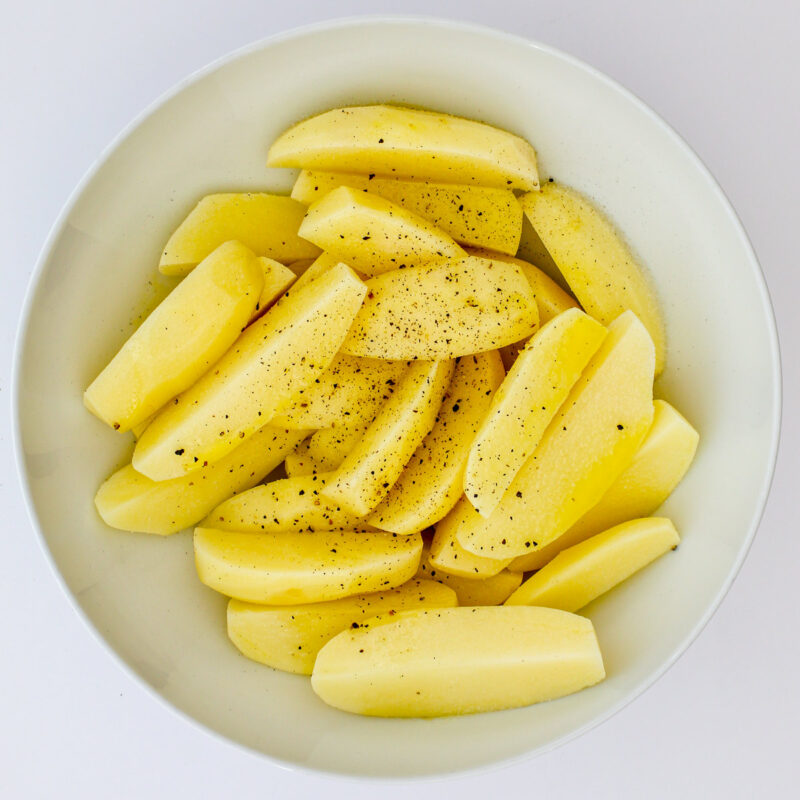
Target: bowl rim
[443,23]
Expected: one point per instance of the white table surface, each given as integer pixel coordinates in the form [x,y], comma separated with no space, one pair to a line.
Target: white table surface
[725,721]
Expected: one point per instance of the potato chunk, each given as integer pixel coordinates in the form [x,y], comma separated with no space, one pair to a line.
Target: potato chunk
[186,333]
[131,502]
[283,568]
[373,234]
[407,143]
[266,223]
[442,311]
[273,360]
[595,261]
[432,663]
[581,573]
[289,637]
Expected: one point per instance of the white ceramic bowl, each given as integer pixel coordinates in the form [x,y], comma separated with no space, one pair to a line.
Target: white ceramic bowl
[211,133]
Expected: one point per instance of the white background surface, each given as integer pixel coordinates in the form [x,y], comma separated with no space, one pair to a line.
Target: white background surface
[725,721]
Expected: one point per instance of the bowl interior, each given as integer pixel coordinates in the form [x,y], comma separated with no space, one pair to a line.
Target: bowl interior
[98,276]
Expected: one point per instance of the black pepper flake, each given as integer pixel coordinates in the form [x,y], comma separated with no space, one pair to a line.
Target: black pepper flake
[180,452]
[620,427]
[519,494]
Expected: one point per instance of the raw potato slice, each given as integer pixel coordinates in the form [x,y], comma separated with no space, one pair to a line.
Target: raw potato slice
[442,311]
[131,502]
[277,279]
[448,555]
[275,358]
[350,388]
[186,333]
[595,261]
[657,468]
[431,483]
[299,267]
[266,223]
[433,663]
[287,568]
[526,402]
[290,504]
[373,466]
[491,591]
[583,451]
[551,299]
[579,574]
[373,234]
[299,462]
[138,430]
[408,143]
[472,215]
[289,637]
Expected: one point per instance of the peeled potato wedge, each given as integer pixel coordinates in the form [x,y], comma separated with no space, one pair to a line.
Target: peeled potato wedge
[329,447]
[581,573]
[408,143]
[657,468]
[266,223]
[472,215]
[530,396]
[431,482]
[285,568]
[289,637]
[289,504]
[273,360]
[277,279]
[432,663]
[131,502]
[446,310]
[376,462]
[373,234]
[350,388]
[447,554]
[595,261]
[492,591]
[299,462]
[586,447]
[186,333]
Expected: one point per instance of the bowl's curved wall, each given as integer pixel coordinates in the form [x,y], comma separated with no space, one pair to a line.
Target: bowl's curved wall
[140,592]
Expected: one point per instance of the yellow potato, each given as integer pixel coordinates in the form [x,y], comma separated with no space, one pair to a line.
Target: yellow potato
[376,462]
[290,504]
[186,333]
[431,483]
[373,234]
[131,502]
[526,402]
[437,662]
[277,279]
[408,143]
[286,568]
[579,574]
[586,447]
[443,311]
[289,637]
[275,358]
[597,264]
[299,462]
[138,430]
[266,223]
[657,468]
[472,215]
[490,591]
[350,388]
[301,265]
[447,554]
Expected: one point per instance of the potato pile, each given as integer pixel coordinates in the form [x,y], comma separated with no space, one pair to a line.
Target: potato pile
[468,454]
